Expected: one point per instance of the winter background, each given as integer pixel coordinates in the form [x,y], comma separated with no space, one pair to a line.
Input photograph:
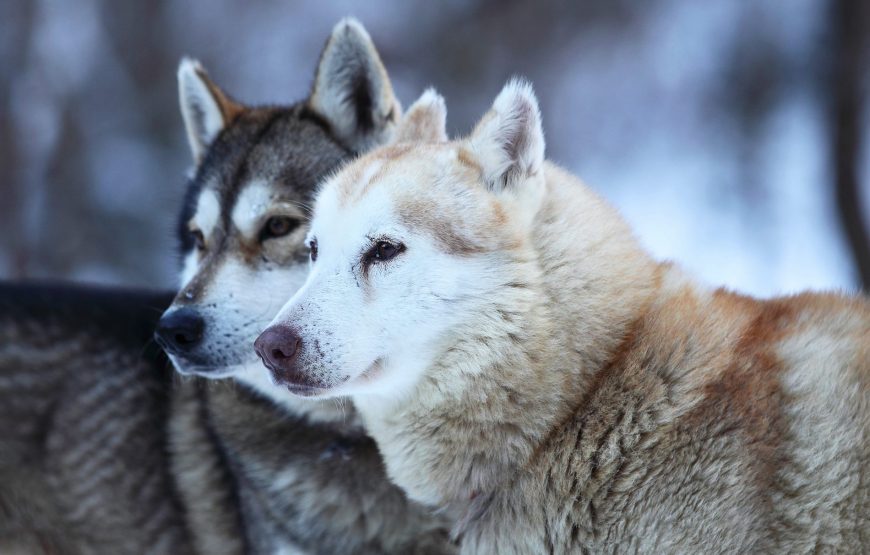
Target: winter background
[730,133]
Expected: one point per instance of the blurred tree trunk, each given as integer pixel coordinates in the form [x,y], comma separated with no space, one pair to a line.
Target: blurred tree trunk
[848,34]
[17,25]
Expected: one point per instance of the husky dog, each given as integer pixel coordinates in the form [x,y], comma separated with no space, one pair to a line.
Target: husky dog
[524,364]
[307,477]
[84,405]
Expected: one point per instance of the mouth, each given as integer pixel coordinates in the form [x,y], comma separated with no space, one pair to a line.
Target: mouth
[312,391]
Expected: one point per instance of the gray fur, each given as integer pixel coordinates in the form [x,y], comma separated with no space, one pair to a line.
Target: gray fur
[84,404]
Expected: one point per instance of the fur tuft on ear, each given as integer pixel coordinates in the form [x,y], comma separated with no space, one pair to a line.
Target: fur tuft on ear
[352,90]
[205,108]
[425,121]
[509,139]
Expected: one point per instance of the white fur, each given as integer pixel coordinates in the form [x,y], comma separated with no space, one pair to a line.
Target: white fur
[373,327]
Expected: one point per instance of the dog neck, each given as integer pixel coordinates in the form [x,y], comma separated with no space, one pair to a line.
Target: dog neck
[502,384]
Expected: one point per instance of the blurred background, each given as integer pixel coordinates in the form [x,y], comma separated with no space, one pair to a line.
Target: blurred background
[732,134]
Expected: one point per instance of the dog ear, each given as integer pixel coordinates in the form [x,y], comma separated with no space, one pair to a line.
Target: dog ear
[352,90]
[509,140]
[205,108]
[425,121]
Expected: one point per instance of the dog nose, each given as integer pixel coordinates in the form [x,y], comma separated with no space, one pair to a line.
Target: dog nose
[180,330]
[278,346]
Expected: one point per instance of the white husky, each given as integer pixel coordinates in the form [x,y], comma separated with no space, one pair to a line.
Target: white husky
[523,363]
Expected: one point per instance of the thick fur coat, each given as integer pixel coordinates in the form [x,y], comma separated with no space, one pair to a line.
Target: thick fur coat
[526,366]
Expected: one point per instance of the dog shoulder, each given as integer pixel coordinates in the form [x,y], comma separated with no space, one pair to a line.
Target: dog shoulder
[708,388]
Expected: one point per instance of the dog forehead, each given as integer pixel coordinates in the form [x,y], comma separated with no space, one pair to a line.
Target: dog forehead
[355,181]
[398,167]
[343,221]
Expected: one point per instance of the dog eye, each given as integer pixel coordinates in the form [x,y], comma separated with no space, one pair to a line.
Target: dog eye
[278,226]
[383,251]
[198,239]
[312,245]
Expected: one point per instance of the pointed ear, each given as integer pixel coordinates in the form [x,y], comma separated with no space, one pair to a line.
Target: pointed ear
[425,121]
[352,90]
[509,139]
[205,108]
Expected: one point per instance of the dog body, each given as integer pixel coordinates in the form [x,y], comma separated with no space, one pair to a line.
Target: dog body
[524,365]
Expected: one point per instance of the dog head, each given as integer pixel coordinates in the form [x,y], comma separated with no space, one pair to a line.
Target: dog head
[410,246]
[243,226]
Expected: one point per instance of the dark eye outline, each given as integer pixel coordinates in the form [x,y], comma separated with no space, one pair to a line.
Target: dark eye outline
[278,226]
[312,247]
[198,239]
[383,251]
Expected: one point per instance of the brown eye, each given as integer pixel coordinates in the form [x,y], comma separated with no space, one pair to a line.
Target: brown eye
[278,226]
[384,250]
[198,239]
[313,246]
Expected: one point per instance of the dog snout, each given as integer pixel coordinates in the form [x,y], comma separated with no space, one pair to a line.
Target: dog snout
[179,331]
[278,347]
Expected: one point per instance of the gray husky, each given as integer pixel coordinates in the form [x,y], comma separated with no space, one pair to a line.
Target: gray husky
[239,473]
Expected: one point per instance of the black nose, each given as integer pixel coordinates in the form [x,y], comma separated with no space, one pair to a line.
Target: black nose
[278,347]
[179,330]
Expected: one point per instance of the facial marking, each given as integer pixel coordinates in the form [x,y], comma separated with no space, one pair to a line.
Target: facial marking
[189,269]
[208,210]
[424,215]
[252,203]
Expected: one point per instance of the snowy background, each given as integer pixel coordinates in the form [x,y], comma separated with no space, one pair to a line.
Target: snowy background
[709,124]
